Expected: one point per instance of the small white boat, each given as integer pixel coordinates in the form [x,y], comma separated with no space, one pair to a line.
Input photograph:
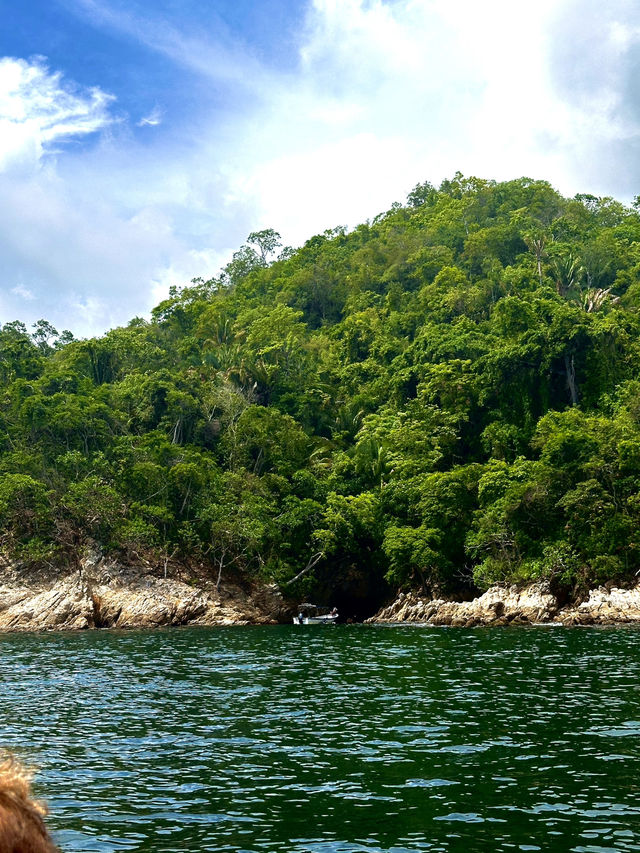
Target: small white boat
[310,614]
[315,620]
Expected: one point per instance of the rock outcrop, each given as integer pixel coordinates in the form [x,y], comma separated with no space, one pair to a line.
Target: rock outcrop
[498,605]
[62,606]
[605,607]
[533,604]
[104,594]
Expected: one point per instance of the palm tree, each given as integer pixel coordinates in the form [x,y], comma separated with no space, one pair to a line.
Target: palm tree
[568,273]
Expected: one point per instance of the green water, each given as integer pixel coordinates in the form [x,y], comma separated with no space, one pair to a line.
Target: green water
[331,739]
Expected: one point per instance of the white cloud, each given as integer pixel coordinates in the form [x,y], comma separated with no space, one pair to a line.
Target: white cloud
[386,94]
[592,62]
[23,292]
[39,109]
[92,232]
[152,120]
[392,93]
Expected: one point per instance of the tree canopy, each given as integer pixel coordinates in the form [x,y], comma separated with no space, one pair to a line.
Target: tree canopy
[446,396]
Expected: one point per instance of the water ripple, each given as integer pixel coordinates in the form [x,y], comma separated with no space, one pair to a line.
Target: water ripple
[331,741]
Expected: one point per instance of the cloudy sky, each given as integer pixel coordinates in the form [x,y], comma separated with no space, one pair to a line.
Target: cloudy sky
[141,141]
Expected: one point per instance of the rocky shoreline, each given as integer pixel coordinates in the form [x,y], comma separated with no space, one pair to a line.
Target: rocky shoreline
[533,604]
[102,593]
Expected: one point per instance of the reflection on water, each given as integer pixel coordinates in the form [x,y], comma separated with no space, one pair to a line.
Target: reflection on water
[331,740]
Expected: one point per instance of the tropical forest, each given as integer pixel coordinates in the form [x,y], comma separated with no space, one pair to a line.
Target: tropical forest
[443,398]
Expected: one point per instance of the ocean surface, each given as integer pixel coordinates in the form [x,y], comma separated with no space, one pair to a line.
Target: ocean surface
[331,740]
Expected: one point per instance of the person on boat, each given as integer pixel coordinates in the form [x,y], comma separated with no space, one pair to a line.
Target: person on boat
[334,612]
[22,828]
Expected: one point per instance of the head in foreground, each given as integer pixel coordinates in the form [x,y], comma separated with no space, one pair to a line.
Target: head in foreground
[22,828]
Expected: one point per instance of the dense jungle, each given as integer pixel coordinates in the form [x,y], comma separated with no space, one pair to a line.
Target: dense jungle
[444,397]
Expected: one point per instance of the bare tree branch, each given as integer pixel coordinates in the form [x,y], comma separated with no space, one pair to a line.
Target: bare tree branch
[313,561]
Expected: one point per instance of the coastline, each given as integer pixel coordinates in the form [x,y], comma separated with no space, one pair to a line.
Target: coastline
[103,593]
[534,604]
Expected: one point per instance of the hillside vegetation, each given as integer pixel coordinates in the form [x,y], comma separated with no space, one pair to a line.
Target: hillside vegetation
[445,397]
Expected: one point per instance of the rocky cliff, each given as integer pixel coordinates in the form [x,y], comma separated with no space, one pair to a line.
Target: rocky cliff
[516,605]
[102,593]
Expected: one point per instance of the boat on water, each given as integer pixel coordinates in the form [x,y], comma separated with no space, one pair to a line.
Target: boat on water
[311,614]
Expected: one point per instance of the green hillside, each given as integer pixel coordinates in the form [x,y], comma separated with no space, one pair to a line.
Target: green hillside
[447,396]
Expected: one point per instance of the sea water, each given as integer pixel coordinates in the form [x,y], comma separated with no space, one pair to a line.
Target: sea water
[327,739]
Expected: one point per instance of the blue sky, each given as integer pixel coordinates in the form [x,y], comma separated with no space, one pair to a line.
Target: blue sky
[140,141]
[114,45]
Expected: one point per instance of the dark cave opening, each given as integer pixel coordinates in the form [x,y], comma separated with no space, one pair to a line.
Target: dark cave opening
[357,598]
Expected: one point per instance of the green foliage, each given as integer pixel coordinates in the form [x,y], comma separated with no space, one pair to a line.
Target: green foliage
[414,554]
[24,508]
[445,395]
